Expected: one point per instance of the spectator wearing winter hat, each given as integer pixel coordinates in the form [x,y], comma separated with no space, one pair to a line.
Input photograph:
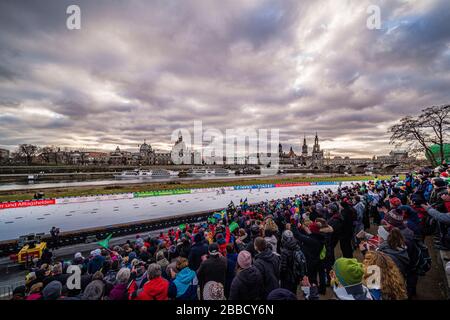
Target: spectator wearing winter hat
[254,233]
[119,291]
[19,293]
[96,262]
[347,278]
[163,262]
[312,245]
[156,288]
[246,284]
[52,291]
[281,294]
[289,276]
[78,259]
[268,265]
[184,284]
[198,250]
[395,202]
[394,221]
[213,291]
[214,268]
[439,189]
[395,247]
[94,291]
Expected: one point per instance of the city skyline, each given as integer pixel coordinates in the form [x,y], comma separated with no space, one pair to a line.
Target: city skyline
[135,72]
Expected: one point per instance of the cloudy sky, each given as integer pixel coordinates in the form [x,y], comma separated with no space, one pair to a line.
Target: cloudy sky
[142,69]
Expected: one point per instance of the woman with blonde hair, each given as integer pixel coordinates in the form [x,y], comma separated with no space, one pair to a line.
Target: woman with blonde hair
[391,285]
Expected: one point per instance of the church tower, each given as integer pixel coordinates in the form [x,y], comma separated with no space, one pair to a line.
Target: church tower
[316,148]
[304,147]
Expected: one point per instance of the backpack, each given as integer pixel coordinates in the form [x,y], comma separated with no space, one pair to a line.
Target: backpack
[424,262]
[300,268]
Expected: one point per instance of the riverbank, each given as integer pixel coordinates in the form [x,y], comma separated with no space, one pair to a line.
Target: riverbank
[154,186]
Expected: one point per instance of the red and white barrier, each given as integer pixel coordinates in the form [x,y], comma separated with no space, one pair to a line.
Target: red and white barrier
[27,203]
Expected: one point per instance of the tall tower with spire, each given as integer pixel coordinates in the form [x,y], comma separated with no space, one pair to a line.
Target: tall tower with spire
[317,154]
[316,148]
[304,147]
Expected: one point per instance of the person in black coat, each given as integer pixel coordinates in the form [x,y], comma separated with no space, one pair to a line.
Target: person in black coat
[254,233]
[348,217]
[268,265]
[311,243]
[246,285]
[289,246]
[214,268]
[199,249]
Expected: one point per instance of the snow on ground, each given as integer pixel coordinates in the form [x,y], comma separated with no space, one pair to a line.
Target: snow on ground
[75,216]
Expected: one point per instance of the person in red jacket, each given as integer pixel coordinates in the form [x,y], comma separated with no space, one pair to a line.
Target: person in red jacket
[156,288]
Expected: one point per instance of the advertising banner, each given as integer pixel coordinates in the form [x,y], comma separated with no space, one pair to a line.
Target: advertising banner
[293,184]
[26,203]
[161,193]
[254,186]
[205,190]
[102,197]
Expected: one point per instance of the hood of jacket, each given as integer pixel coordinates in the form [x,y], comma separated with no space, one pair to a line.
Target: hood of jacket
[401,254]
[155,286]
[354,292]
[183,280]
[289,244]
[249,276]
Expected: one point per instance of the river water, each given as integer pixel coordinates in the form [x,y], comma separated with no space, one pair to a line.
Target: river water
[81,183]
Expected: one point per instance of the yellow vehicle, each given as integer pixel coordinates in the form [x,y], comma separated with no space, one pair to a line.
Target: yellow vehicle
[30,251]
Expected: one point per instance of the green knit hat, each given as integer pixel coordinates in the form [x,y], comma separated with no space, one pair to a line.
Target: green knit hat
[348,271]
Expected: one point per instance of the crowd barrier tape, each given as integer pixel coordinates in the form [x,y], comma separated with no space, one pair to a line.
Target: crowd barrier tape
[27,203]
[160,193]
[119,196]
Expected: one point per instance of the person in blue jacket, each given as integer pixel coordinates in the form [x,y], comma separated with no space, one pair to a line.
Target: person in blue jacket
[183,285]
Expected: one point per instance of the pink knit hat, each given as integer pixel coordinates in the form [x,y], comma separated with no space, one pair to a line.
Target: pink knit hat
[244,259]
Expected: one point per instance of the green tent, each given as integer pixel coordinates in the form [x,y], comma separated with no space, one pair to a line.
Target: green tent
[435,150]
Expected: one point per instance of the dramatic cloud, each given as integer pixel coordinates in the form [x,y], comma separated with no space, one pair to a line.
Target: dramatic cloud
[142,69]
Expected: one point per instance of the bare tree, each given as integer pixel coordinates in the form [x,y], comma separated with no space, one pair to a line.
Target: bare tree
[436,119]
[28,151]
[417,134]
[48,153]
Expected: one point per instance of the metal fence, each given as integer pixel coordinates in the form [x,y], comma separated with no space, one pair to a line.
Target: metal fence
[6,292]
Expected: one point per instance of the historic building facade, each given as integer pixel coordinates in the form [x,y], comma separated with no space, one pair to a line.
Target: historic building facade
[315,160]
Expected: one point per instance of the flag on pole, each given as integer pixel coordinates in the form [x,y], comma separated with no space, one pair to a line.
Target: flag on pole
[105,243]
[212,220]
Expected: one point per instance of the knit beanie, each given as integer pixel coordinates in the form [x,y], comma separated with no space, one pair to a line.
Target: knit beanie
[395,219]
[213,291]
[348,271]
[281,294]
[244,259]
[52,291]
[286,235]
[395,202]
[94,290]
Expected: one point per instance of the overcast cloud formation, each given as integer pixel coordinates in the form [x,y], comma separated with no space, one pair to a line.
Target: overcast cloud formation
[141,69]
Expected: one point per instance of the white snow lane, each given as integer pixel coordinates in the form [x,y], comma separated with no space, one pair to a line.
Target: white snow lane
[75,216]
